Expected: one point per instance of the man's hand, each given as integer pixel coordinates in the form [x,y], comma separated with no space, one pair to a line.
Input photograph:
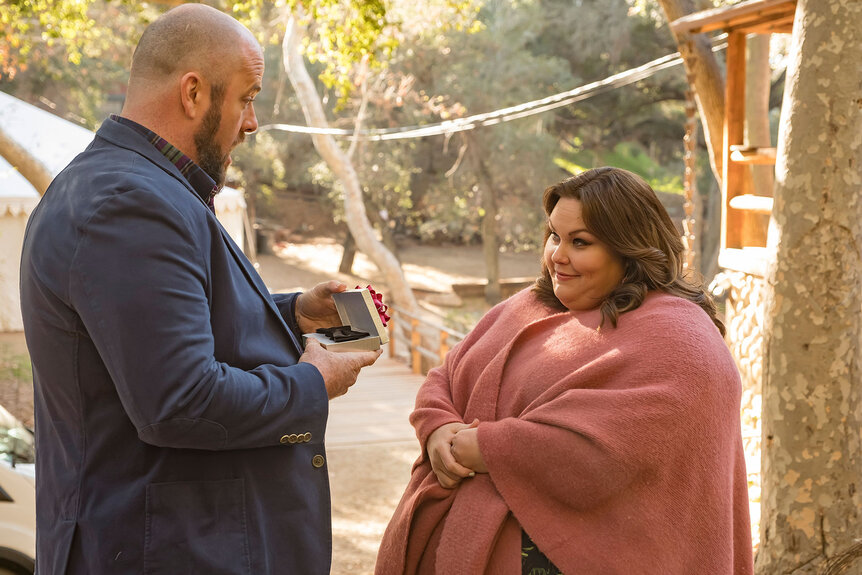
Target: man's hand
[316,309]
[339,370]
[465,448]
[439,446]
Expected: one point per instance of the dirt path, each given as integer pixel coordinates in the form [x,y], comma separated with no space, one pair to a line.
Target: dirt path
[366,482]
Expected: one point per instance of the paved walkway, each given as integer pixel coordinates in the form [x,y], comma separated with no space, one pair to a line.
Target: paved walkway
[370,447]
[376,408]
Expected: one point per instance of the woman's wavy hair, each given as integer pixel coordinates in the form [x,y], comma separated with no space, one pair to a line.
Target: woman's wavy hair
[622,210]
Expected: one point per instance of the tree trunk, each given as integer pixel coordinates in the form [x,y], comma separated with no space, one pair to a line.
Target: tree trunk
[349,254]
[812,409]
[701,64]
[26,163]
[490,238]
[709,228]
[339,163]
[758,81]
[251,187]
[491,246]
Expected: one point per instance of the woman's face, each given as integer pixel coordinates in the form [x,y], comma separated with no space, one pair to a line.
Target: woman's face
[583,269]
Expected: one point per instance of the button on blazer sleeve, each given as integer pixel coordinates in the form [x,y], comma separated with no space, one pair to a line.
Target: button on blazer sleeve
[141,285]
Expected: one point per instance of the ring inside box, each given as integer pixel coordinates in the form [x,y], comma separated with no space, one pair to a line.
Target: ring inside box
[361,328]
[342,333]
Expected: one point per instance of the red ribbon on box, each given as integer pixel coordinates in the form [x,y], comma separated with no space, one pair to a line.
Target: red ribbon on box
[378,303]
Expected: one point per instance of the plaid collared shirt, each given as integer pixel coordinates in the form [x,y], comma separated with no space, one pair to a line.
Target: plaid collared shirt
[204,185]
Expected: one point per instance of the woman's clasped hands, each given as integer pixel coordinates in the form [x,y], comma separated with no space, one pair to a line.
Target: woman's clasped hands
[453,450]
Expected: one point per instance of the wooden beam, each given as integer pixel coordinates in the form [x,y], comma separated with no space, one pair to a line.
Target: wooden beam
[772,28]
[732,16]
[752,203]
[780,25]
[766,21]
[733,181]
[745,155]
[751,261]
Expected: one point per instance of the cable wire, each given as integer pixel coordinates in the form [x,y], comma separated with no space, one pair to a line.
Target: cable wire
[524,110]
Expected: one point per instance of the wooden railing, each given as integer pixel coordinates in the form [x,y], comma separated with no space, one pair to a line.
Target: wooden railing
[419,335]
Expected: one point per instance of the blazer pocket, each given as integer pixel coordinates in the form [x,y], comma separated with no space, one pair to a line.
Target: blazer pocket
[196,527]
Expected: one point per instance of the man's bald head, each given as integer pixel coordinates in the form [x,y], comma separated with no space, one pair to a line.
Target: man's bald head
[188,37]
[194,76]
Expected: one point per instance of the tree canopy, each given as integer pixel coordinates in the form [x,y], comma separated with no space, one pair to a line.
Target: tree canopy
[403,64]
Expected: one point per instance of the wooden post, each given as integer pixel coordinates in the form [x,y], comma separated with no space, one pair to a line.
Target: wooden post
[733,178]
[415,342]
[690,180]
[444,345]
[391,328]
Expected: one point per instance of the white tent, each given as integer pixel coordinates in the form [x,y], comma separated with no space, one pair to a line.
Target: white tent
[230,209]
[55,142]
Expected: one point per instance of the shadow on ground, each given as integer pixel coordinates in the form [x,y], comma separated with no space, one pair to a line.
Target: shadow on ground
[367,482]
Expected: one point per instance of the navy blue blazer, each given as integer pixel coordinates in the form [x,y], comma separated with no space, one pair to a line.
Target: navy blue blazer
[175,431]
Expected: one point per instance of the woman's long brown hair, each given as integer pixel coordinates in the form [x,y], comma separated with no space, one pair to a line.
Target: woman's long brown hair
[622,210]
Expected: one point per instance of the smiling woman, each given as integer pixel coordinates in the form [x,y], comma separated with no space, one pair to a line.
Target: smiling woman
[582,268]
[578,425]
[612,218]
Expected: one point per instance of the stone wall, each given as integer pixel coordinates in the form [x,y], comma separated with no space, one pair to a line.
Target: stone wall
[744,319]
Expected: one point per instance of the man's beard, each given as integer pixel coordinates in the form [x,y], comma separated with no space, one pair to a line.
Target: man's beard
[210,158]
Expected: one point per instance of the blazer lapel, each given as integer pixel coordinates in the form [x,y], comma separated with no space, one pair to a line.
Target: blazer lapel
[125,137]
[255,280]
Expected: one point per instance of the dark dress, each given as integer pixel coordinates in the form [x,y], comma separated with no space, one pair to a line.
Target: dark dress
[533,561]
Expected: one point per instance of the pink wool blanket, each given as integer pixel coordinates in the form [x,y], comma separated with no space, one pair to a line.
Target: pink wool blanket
[617,449]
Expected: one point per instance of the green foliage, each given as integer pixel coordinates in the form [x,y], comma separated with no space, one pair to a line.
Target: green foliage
[465,317]
[70,55]
[473,72]
[354,44]
[16,388]
[70,29]
[344,35]
[570,166]
[15,367]
[29,24]
[385,171]
[598,38]
[416,63]
[349,39]
[513,51]
[626,155]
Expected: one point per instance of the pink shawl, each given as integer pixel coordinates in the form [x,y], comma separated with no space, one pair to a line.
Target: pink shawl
[629,459]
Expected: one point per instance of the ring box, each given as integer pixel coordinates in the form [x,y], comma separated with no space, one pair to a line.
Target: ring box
[357,310]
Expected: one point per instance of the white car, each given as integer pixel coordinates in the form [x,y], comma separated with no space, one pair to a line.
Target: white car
[17,497]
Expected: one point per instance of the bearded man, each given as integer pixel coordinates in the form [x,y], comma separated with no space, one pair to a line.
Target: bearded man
[179,421]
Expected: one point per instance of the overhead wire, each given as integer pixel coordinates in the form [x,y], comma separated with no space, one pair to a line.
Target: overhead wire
[508,114]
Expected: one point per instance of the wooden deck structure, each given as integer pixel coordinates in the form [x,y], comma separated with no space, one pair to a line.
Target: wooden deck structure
[745,211]
[744,214]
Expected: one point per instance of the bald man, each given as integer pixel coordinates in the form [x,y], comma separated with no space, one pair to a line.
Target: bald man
[179,422]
